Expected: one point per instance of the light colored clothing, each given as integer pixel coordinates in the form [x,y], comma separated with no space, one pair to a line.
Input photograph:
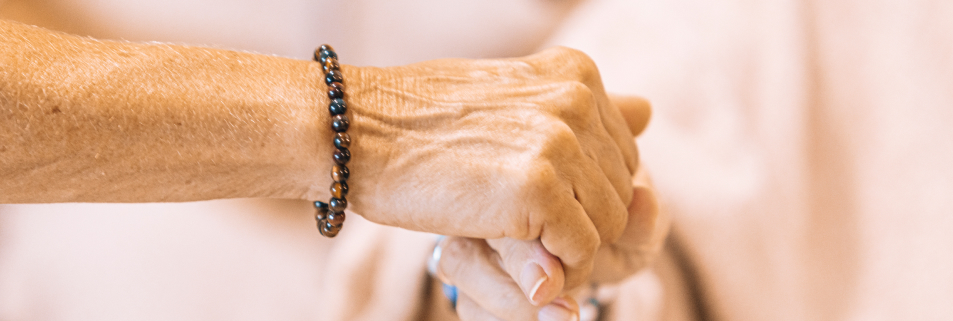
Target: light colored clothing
[217,260]
[804,148]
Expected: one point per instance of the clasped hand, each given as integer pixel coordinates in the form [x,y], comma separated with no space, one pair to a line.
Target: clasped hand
[491,275]
[528,153]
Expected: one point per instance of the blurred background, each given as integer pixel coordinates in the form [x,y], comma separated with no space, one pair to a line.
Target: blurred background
[802,148]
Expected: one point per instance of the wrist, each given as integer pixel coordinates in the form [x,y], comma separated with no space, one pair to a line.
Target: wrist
[372,140]
[311,136]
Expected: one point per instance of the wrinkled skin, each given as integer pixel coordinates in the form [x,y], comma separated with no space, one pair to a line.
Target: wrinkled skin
[532,150]
[527,148]
[513,280]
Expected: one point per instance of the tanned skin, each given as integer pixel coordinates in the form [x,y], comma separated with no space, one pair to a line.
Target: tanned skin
[527,148]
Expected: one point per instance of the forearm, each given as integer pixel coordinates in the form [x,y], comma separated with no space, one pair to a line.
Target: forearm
[524,148]
[89,121]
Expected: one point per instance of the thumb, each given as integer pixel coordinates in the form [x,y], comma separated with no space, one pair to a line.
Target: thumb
[636,111]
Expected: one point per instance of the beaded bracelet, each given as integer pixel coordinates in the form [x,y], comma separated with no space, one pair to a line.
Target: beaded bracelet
[330,215]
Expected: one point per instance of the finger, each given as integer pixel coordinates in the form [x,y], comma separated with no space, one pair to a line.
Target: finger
[610,153]
[468,310]
[598,188]
[538,273]
[599,199]
[635,110]
[571,234]
[601,181]
[562,309]
[473,267]
[574,239]
[606,142]
[616,127]
[607,208]
[641,241]
[562,63]
[575,66]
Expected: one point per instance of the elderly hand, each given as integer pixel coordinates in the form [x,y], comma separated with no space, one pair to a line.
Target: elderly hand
[528,148]
[514,280]
[493,277]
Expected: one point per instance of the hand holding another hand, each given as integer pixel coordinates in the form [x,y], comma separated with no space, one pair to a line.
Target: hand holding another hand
[528,148]
[507,279]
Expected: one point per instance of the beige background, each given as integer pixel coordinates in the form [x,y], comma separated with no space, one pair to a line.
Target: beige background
[802,147]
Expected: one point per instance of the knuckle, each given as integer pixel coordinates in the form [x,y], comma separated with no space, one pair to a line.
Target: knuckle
[535,190]
[580,107]
[579,90]
[560,136]
[568,62]
[452,250]
[577,55]
[580,64]
[563,150]
[540,188]
[539,162]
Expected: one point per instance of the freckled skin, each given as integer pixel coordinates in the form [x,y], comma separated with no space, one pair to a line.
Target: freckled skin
[92,121]
[524,148]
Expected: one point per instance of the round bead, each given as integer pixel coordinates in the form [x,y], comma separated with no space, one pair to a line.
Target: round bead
[342,140]
[326,47]
[339,189]
[336,218]
[320,205]
[333,76]
[340,123]
[317,55]
[329,230]
[322,213]
[337,106]
[338,205]
[342,156]
[330,64]
[335,90]
[324,55]
[340,173]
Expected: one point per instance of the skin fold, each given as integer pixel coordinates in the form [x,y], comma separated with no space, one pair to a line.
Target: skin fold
[491,275]
[525,148]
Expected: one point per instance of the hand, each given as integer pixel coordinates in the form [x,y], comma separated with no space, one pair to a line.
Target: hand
[527,148]
[486,292]
[515,280]
[492,275]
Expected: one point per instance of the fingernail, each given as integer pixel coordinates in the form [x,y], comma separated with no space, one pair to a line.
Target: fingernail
[557,312]
[531,279]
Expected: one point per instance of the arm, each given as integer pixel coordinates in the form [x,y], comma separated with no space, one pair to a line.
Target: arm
[92,121]
[527,148]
